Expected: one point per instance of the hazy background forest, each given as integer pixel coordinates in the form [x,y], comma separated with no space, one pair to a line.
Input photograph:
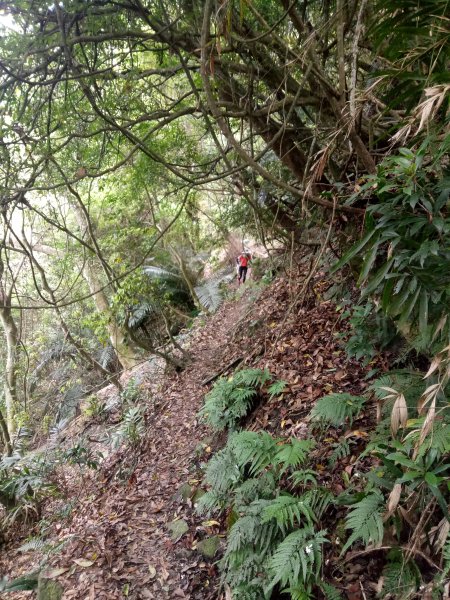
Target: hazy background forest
[144,144]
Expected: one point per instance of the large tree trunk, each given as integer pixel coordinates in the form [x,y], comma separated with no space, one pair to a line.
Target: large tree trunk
[5,435]
[10,375]
[10,383]
[125,354]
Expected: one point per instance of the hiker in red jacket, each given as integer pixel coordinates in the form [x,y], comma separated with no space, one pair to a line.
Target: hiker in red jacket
[242,261]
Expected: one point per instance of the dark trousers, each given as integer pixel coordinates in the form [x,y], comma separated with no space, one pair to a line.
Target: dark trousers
[242,274]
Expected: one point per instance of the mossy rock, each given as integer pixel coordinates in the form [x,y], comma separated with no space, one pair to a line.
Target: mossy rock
[185,491]
[209,546]
[49,589]
[197,495]
[177,529]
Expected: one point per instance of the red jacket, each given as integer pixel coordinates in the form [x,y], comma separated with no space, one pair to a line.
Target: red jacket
[243,260]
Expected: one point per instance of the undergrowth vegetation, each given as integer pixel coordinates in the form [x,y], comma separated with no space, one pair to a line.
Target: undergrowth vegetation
[405,250]
[271,493]
[232,398]
[27,480]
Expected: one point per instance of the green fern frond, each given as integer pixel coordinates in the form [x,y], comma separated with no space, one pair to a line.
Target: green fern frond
[248,592]
[246,577]
[252,489]
[337,408]
[277,388]
[288,510]
[242,533]
[209,294]
[250,531]
[401,579]
[365,520]
[267,533]
[303,476]
[446,556]
[440,439]
[341,450]
[298,593]
[252,377]
[255,450]
[293,453]
[242,395]
[330,592]
[441,578]
[318,499]
[210,291]
[446,550]
[211,503]
[231,398]
[222,472]
[33,545]
[297,558]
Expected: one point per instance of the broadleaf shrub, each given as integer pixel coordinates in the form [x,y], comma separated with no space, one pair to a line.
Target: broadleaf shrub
[406,248]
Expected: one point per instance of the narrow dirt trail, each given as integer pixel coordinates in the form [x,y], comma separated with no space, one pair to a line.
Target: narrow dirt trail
[119,543]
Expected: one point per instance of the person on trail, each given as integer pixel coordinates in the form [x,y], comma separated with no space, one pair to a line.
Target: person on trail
[242,261]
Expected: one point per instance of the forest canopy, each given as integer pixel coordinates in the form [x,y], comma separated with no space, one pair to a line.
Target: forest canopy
[137,135]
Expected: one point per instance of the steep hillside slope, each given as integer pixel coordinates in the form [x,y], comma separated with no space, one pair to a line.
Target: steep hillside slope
[133,531]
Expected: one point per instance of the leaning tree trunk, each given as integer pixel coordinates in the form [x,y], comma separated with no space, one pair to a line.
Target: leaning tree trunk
[125,354]
[187,280]
[5,435]
[10,375]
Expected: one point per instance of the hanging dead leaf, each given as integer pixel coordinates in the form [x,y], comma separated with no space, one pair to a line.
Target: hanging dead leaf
[53,573]
[394,498]
[399,415]
[439,533]
[427,426]
[430,393]
[435,363]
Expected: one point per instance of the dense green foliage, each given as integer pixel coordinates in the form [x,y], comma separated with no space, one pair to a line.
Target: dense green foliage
[405,250]
[278,513]
[274,538]
[137,138]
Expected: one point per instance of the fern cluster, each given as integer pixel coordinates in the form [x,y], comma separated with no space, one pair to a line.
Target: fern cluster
[270,492]
[24,484]
[231,398]
[210,292]
[401,578]
[365,520]
[131,429]
[271,527]
[337,409]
